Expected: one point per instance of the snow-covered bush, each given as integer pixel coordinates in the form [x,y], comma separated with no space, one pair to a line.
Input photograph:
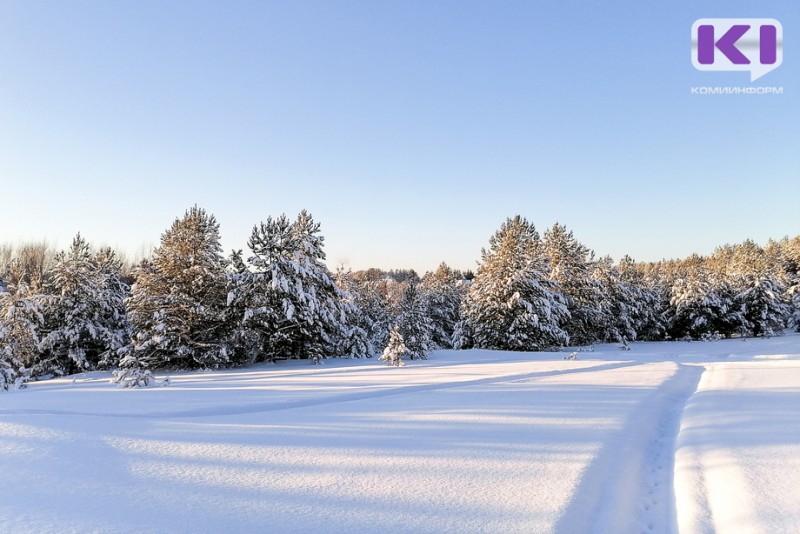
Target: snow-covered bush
[136,377]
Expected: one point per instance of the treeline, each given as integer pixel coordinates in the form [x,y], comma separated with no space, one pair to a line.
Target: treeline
[189,307]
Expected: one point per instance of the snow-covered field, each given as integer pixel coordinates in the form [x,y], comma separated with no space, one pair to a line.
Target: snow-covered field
[668,437]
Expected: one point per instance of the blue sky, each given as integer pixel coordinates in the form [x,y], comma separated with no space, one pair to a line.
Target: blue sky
[409,129]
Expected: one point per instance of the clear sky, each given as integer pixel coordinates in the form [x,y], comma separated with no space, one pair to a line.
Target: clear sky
[409,129]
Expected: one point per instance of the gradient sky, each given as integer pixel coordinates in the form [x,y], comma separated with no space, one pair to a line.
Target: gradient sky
[410,129]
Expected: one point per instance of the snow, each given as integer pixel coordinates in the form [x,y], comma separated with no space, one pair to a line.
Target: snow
[667,437]
[737,461]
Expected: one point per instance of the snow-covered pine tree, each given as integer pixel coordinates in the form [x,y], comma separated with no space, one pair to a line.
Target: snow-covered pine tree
[21,319]
[369,291]
[725,278]
[85,311]
[571,265]
[8,376]
[462,337]
[414,324]
[245,343]
[396,350]
[794,298]
[785,256]
[443,292]
[289,296]
[511,305]
[177,305]
[763,306]
[617,305]
[648,302]
[353,340]
[112,313]
[697,306]
[758,290]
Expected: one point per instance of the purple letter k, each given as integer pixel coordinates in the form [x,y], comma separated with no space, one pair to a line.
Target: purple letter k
[726,44]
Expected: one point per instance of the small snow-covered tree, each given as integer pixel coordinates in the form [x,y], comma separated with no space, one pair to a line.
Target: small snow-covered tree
[414,324]
[132,375]
[462,337]
[8,376]
[396,350]
[177,306]
[511,304]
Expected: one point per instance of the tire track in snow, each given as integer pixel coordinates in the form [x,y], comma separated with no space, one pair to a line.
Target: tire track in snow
[233,409]
[628,486]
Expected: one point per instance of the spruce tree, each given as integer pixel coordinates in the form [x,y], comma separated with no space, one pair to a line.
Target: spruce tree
[177,305]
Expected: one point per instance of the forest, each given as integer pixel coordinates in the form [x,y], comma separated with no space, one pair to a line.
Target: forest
[189,306]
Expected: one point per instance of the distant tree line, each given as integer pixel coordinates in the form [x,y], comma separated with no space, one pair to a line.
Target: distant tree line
[188,306]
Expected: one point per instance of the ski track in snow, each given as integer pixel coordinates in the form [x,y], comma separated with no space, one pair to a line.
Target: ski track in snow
[628,486]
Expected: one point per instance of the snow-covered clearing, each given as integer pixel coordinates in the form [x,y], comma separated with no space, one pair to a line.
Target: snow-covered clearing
[667,437]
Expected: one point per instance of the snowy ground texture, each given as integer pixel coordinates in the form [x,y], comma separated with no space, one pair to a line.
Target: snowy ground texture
[667,437]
